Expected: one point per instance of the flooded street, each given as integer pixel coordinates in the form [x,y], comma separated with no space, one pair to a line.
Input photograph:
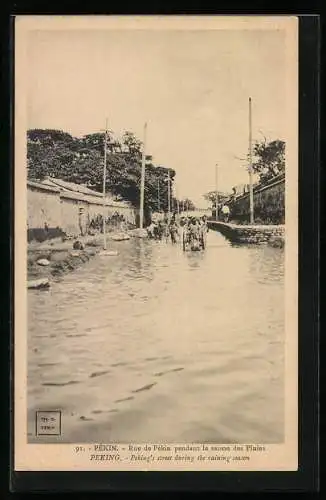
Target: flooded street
[158,345]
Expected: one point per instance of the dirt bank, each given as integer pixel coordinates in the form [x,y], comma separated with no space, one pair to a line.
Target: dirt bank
[60,262]
[59,257]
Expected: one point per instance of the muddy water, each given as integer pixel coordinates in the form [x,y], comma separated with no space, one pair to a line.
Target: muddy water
[164,346]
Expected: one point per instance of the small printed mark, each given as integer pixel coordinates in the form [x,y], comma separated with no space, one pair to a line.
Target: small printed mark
[48,422]
[85,418]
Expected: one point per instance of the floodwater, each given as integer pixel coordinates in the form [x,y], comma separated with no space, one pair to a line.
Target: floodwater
[158,345]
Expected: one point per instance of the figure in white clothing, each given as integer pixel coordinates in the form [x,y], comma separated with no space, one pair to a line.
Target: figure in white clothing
[226,213]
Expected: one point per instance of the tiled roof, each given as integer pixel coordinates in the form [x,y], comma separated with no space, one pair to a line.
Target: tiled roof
[44,187]
[75,191]
[71,186]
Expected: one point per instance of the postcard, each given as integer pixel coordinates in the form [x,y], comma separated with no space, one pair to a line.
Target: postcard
[156,243]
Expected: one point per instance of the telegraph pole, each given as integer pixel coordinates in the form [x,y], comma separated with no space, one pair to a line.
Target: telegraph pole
[216,191]
[142,182]
[169,197]
[158,195]
[177,199]
[251,192]
[104,183]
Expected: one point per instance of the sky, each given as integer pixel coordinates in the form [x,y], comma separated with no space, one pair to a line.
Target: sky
[191,87]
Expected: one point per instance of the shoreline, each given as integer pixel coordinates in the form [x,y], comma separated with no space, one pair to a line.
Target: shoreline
[51,259]
[272,235]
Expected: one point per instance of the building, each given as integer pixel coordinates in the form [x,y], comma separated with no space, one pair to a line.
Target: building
[59,206]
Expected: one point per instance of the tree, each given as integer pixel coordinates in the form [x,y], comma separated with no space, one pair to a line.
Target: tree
[187,204]
[211,197]
[49,153]
[132,145]
[57,154]
[268,159]
[156,187]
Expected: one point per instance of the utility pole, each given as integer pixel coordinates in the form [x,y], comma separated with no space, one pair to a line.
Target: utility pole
[177,199]
[251,192]
[158,195]
[104,183]
[216,191]
[142,182]
[169,196]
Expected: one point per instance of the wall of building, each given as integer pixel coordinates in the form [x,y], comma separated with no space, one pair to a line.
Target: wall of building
[43,207]
[66,212]
[94,210]
[129,213]
[69,216]
[269,204]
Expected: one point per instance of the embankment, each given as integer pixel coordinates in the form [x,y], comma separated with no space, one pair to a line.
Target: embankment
[273,235]
[52,259]
[59,257]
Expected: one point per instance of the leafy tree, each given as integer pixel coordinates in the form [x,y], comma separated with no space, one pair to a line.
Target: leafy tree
[211,197]
[186,204]
[49,136]
[131,144]
[49,152]
[55,153]
[268,159]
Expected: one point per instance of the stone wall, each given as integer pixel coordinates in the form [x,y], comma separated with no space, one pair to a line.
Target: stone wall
[258,234]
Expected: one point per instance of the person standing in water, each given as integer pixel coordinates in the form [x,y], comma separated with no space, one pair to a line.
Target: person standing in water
[173,231]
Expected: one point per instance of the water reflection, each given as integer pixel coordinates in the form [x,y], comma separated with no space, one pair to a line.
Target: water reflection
[195,259]
[157,344]
[140,259]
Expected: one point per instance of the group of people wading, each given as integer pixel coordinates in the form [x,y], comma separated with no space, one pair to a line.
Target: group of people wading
[191,231]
